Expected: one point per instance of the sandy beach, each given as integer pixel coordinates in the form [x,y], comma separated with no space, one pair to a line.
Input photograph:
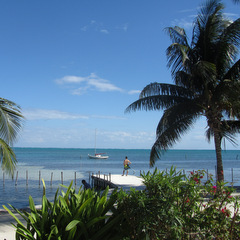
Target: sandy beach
[7,231]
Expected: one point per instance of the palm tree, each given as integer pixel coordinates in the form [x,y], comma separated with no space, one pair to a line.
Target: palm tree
[10,124]
[206,76]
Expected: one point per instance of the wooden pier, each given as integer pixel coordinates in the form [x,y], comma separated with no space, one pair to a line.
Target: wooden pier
[114,180]
[102,181]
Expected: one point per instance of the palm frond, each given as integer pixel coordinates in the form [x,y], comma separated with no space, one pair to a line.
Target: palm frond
[177,35]
[10,120]
[202,76]
[229,128]
[175,121]
[227,96]
[165,89]
[177,57]
[157,96]
[151,103]
[227,48]
[185,111]
[207,21]
[231,34]
[233,73]
[207,28]
[7,157]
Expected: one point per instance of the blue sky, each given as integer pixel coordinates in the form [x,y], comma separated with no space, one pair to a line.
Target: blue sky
[74,66]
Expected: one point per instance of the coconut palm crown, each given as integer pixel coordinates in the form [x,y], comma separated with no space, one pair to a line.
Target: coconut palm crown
[11,121]
[206,83]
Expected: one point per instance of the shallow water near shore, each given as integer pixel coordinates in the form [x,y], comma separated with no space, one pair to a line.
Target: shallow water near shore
[56,165]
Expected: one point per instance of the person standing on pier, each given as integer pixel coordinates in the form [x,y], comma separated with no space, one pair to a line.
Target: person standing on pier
[126,166]
[85,184]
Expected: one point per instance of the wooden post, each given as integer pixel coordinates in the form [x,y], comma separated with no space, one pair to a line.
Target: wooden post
[110,179]
[207,174]
[27,177]
[39,183]
[3,178]
[97,175]
[16,179]
[62,177]
[232,177]
[51,178]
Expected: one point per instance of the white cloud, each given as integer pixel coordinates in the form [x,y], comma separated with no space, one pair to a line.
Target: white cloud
[79,91]
[77,136]
[134,92]
[183,23]
[101,27]
[91,82]
[104,31]
[44,114]
[70,79]
[84,28]
[95,26]
[108,117]
[123,27]
[102,84]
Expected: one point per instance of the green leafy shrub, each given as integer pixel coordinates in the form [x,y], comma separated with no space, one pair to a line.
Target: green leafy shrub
[174,206]
[82,215]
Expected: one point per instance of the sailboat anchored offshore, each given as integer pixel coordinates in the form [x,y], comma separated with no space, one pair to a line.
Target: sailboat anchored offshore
[97,155]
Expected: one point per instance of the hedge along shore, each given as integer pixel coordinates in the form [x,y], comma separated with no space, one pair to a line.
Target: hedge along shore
[7,231]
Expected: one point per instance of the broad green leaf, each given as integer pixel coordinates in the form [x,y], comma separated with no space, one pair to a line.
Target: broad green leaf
[31,204]
[107,227]
[71,225]
[17,220]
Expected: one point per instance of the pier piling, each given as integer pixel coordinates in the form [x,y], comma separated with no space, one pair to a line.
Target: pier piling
[39,183]
[27,177]
[51,178]
[16,179]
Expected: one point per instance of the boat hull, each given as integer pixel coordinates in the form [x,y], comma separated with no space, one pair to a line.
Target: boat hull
[98,157]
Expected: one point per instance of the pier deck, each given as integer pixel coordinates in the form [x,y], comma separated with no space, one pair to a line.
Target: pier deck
[115,180]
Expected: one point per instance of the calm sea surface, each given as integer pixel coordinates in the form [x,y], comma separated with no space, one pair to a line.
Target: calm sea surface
[55,164]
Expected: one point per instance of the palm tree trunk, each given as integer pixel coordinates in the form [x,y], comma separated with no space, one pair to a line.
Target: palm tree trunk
[217,141]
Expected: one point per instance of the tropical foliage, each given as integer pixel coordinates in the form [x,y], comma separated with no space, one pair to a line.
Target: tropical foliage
[175,206]
[10,123]
[172,206]
[206,83]
[83,215]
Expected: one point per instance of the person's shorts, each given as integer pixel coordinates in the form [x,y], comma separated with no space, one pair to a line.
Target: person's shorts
[126,167]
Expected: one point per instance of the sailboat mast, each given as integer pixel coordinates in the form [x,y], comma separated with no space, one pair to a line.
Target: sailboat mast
[95,140]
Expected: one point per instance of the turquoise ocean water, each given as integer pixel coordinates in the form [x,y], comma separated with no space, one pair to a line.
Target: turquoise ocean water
[37,163]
